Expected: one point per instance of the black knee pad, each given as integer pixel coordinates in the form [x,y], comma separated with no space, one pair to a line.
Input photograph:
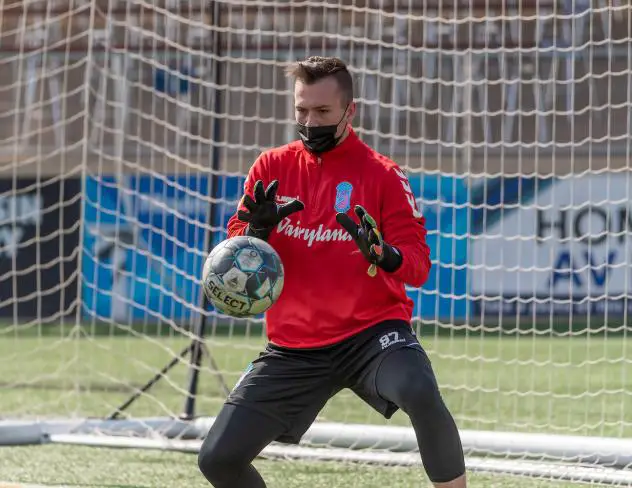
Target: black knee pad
[416,388]
[422,392]
[236,438]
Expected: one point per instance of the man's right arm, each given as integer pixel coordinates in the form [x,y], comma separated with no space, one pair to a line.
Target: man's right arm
[257,172]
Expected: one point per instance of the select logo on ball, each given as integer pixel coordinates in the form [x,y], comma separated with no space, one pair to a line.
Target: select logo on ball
[243,276]
[225,300]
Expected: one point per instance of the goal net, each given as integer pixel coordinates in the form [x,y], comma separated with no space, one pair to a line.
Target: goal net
[126,132]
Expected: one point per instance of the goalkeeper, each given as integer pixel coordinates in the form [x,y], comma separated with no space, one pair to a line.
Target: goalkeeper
[344,221]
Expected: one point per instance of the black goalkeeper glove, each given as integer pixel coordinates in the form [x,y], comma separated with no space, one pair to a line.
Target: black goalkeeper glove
[263,212]
[369,239]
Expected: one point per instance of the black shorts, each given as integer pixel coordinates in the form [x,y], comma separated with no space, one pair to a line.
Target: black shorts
[293,385]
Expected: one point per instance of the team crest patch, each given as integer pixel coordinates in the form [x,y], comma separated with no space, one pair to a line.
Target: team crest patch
[343,197]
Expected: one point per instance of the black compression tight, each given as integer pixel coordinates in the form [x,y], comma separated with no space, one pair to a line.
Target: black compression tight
[237,436]
[405,378]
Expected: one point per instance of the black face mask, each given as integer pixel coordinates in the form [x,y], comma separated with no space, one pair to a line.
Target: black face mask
[321,138]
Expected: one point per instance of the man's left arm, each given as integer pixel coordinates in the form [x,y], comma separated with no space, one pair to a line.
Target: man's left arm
[403,227]
[398,245]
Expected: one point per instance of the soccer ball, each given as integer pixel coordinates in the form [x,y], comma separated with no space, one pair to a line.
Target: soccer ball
[243,276]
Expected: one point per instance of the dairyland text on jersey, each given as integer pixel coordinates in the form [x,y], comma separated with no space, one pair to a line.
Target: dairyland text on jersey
[328,295]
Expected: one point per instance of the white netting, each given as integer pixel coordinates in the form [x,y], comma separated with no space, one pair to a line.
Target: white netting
[120,122]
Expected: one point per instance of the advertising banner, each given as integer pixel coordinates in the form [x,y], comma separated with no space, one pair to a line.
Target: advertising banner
[144,246]
[564,249]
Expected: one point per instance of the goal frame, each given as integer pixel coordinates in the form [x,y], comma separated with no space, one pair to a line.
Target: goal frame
[344,441]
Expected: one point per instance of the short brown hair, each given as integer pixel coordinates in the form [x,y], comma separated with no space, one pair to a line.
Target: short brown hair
[316,68]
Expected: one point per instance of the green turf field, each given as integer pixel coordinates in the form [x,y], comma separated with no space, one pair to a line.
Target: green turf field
[575,385]
[109,468]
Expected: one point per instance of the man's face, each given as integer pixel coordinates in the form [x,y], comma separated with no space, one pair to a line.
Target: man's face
[321,103]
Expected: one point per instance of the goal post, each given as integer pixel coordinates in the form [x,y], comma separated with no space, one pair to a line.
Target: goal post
[127,129]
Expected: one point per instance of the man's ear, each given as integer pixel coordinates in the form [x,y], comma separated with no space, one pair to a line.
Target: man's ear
[351,111]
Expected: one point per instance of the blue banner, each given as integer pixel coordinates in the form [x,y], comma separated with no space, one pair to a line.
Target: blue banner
[144,246]
[444,202]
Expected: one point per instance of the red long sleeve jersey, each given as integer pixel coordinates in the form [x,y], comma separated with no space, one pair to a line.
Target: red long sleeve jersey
[328,295]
